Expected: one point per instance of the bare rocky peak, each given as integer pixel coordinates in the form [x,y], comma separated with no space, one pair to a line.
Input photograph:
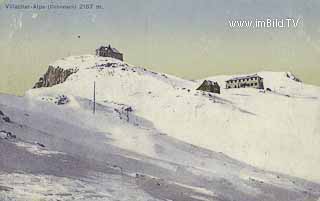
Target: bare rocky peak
[53,76]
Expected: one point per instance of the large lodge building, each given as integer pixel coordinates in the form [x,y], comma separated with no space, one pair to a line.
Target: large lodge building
[253,81]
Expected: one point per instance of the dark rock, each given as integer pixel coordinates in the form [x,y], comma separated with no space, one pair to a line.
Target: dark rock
[139,175]
[128,109]
[6,119]
[209,86]
[163,75]
[62,100]
[11,136]
[293,77]
[54,76]
[41,145]
[1,113]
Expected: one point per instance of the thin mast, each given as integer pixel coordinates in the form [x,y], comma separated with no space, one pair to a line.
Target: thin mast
[94,97]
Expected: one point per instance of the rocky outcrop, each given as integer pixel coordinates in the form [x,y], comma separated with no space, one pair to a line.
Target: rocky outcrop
[293,77]
[4,117]
[53,76]
[7,135]
[209,86]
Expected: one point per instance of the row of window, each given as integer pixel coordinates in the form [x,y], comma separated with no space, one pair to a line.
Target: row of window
[245,79]
[244,85]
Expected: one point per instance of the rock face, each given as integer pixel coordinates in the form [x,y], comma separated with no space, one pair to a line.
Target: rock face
[4,117]
[54,76]
[293,77]
[209,86]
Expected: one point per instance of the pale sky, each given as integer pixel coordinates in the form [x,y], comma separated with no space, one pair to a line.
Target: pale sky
[188,38]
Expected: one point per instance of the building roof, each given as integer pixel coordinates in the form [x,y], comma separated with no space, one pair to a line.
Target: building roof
[109,47]
[245,77]
[115,50]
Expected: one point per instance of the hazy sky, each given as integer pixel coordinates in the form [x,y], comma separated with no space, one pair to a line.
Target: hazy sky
[187,38]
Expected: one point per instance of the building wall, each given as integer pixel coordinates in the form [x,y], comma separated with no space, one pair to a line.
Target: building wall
[108,53]
[254,82]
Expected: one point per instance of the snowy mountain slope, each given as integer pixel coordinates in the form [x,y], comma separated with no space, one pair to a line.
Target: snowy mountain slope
[69,153]
[260,128]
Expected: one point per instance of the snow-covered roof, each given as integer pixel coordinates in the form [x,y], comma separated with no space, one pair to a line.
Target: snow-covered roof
[244,77]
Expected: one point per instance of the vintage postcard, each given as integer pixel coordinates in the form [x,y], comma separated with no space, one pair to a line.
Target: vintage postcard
[159,100]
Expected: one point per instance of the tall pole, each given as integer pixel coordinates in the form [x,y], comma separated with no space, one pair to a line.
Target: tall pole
[94,97]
